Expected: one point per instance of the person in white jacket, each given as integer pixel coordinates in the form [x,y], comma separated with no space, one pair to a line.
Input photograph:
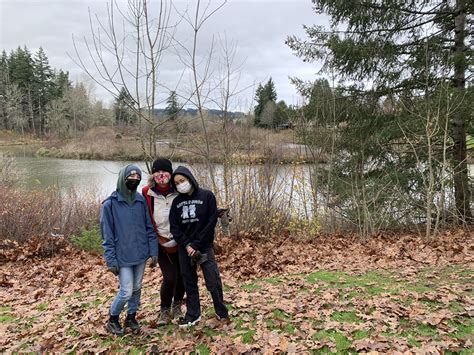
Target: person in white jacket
[159,194]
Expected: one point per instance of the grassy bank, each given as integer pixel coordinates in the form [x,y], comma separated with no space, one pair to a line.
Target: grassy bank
[249,146]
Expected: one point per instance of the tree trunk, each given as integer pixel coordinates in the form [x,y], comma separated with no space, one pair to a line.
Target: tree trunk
[461,179]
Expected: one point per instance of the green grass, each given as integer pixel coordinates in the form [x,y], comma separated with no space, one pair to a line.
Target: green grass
[415,330]
[202,349]
[464,328]
[42,306]
[290,329]
[252,287]
[273,280]
[325,276]
[5,315]
[247,336]
[72,331]
[345,317]
[7,318]
[343,344]
[5,309]
[279,314]
[456,307]
[361,334]
[371,283]
[209,312]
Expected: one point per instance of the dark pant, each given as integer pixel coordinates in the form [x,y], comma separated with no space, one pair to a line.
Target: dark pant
[172,288]
[212,279]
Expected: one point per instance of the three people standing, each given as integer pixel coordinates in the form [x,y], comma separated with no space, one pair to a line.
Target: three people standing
[183,224]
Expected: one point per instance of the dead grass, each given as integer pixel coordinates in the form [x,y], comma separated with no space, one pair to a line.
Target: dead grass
[242,144]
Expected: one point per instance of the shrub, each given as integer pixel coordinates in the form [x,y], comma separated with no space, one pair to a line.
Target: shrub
[89,240]
[31,213]
[9,172]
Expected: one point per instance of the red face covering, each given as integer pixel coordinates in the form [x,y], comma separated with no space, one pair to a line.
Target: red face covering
[162,178]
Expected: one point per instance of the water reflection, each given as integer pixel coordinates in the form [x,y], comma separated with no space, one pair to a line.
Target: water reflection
[83,175]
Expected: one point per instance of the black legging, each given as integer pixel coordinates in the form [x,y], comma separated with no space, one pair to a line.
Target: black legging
[172,288]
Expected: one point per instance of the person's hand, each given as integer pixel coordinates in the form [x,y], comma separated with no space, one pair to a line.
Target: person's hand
[114,270]
[190,250]
[154,261]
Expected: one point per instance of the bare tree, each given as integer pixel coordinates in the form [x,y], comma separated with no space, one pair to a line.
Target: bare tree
[126,52]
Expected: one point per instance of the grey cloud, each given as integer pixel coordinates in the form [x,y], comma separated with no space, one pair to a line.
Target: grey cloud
[258,27]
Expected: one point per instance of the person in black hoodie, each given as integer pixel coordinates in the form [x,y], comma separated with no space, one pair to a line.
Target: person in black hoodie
[193,218]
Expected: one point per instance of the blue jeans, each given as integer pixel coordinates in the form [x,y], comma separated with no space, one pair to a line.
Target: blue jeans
[130,278]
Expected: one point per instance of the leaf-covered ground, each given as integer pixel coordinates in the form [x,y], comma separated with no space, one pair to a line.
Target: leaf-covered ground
[331,294]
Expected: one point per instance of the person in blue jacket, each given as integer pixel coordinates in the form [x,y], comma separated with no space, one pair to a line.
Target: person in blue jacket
[193,218]
[129,239]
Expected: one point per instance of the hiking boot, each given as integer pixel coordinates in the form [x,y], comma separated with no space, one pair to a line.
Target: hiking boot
[224,320]
[188,321]
[176,311]
[165,317]
[131,322]
[113,326]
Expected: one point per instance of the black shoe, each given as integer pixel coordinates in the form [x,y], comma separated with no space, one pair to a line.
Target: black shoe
[131,322]
[113,326]
[187,321]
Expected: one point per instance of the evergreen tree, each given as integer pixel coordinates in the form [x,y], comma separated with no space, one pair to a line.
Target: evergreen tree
[3,89]
[263,95]
[61,83]
[21,73]
[172,109]
[401,48]
[20,68]
[123,108]
[43,86]
[281,114]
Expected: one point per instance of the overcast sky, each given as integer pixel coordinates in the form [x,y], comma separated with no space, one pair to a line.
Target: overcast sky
[257,27]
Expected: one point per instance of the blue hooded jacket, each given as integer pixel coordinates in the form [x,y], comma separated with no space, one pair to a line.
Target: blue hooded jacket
[127,231]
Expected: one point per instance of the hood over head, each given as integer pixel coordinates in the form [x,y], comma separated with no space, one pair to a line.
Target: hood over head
[182,170]
[124,173]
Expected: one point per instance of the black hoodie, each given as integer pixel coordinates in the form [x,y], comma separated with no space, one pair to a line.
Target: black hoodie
[193,217]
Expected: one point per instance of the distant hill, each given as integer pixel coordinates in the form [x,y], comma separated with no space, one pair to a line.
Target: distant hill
[161,112]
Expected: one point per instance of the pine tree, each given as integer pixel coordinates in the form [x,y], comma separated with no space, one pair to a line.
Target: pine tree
[43,86]
[123,108]
[263,95]
[3,89]
[21,73]
[401,48]
[172,109]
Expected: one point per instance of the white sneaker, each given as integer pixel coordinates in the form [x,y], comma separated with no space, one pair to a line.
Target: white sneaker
[187,322]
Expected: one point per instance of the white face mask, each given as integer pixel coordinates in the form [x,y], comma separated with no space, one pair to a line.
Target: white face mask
[184,187]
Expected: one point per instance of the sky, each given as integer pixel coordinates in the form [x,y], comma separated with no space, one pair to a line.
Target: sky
[256,29]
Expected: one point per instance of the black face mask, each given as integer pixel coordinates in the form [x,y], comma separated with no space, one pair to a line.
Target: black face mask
[132,184]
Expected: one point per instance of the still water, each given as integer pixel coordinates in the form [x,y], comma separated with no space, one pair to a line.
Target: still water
[95,176]
[83,175]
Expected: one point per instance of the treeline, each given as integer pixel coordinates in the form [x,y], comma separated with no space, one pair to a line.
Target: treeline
[36,98]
